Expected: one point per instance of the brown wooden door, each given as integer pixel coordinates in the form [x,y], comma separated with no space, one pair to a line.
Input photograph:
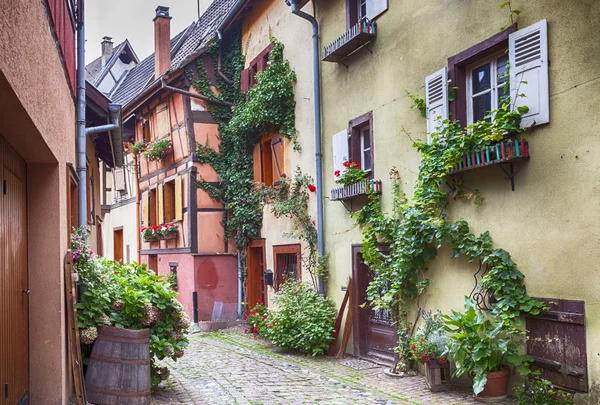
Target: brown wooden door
[118,244]
[375,331]
[14,302]
[255,281]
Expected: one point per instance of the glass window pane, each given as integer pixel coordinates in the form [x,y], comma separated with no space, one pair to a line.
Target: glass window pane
[502,69]
[363,9]
[481,78]
[366,141]
[366,160]
[481,106]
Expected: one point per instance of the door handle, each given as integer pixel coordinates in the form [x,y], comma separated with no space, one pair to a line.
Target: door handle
[26,292]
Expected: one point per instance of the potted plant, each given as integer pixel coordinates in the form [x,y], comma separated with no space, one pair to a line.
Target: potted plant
[428,347]
[158,150]
[484,348]
[151,233]
[169,231]
[352,174]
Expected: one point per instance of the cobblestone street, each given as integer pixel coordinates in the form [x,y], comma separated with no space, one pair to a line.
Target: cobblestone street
[232,368]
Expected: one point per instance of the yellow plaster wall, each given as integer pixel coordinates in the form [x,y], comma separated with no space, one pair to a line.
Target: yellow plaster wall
[274,19]
[550,223]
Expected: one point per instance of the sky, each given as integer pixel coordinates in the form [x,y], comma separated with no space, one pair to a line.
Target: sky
[132,19]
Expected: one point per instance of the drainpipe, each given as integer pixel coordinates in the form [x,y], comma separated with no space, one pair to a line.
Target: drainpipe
[317,105]
[239,308]
[226,20]
[80,119]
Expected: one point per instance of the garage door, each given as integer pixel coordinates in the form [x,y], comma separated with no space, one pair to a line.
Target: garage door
[14,329]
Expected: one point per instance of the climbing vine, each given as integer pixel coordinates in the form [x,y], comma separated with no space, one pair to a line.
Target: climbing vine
[416,229]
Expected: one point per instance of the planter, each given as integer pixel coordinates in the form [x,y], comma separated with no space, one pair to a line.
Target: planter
[151,239]
[496,386]
[355,190]
[438,376]
[169,236]
[119,368]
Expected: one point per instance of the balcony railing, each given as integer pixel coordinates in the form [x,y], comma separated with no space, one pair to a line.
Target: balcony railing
[355,190]
[349,42]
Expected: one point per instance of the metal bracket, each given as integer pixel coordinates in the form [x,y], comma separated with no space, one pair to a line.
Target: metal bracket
[511,175]
[349,209]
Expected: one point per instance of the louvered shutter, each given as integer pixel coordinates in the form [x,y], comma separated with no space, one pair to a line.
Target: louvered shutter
[277,158]
[119,176]
[245,80]
[257,163]
[528,54]
[375,8]
[160,205]
[436,98]
[145,210]
[162,118]
[341,151]
[178,199]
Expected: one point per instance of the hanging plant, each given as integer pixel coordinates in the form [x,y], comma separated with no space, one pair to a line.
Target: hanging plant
[158,150]
[352,174]
[137,148]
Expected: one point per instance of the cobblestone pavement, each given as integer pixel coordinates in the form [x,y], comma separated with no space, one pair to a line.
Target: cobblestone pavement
[232,368]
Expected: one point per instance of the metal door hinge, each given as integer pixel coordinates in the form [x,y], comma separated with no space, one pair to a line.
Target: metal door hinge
[5,384]
[4,187]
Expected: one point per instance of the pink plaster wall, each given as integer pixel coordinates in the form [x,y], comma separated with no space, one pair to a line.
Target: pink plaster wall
[216,284]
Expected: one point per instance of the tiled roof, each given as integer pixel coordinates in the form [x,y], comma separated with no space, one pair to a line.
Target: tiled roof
[182,46]
[94,68]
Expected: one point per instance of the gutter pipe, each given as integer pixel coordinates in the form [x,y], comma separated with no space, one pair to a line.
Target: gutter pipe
[228,18]
[239,303]
[318,154]
[115,116]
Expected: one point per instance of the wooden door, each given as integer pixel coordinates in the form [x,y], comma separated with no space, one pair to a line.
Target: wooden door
[14,294]
[118,244]
[375,331]
[255,281]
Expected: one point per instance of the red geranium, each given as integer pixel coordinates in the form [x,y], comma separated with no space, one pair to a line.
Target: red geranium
[336,173]
[312,188]
[427,360]
[346,163]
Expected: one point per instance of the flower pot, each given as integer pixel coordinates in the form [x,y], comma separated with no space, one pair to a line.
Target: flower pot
[496,387]
[169,236]
[438,375]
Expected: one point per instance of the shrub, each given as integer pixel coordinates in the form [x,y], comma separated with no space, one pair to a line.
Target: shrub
[257,319]
[540,391]
[302,321]
[137,148]
[128,296]
[430,340]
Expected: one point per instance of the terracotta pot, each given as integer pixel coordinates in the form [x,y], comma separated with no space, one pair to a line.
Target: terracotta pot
[496,386]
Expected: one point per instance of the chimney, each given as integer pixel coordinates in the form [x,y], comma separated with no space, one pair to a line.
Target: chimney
[162,41]
[107,49]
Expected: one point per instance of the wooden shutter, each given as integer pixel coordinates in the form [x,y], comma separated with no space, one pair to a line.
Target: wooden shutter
[178,199]
[557,343]
[436,97]
[277,160]
[145,211]
[160,205]
[340,151]
[162,119]
[119,176]
[245,80]
[257,163]
[528,55]
[375,8]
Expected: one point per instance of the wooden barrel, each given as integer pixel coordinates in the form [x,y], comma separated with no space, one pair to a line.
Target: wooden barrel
[118,372]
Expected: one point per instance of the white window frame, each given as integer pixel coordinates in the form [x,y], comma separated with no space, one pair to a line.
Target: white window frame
[493,61]
[360,6]
[363,151]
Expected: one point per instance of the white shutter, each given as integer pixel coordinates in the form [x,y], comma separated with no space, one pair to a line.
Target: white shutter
[119,175]
[340,151]
[436,98]
[528,54]
[376,7]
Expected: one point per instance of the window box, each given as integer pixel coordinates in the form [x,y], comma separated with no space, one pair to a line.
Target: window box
[503,152]
[355,190]
[355,38]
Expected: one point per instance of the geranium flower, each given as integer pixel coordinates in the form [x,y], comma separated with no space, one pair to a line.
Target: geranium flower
[441,361]
[413,347]
[427,360]
[423,355]
[336,173]
[346,163]
[255,330]
[245,330]
[312,188]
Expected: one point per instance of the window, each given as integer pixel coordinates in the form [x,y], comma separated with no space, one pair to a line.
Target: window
[485,86]
[163,122]
[169,201]
[287,264]
[146,135]
[258,64]
[268,159]
[361,141]
[356,10]
[153,208]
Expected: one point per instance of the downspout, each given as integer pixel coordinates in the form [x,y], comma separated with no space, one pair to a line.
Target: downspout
[228,18]
[239,303]
[317,105]
[80,119]
[137,207]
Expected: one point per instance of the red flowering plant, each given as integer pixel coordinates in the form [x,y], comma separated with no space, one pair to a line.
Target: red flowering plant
[158,150]
[154,232]
[353,173]
[257,319]
[429,342]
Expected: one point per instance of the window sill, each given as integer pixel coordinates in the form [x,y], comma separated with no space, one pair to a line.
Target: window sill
[355,190]
[352,40]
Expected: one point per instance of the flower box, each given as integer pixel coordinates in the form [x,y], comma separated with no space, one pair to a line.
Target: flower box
[349,42]
[169,236]
[355,190]
[502,152]
[159,232]
[437,376]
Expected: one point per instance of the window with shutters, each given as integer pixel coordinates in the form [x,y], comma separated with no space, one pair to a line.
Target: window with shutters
[146,135]
[258,64]
[357,10]
[361,141]
[287,260]
[478,74]
[153,207]
[268,159]
[169,201]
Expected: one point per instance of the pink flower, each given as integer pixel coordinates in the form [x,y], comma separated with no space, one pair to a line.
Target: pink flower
[245,330]
[255,330]
[336,173]
[427,360]
[441,361]
[312,188]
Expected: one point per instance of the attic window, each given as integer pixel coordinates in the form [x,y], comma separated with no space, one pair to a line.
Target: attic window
[125,58]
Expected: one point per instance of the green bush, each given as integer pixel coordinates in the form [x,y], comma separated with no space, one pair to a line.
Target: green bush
[541,392]
[128,296]
[257,319]
[302,321]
